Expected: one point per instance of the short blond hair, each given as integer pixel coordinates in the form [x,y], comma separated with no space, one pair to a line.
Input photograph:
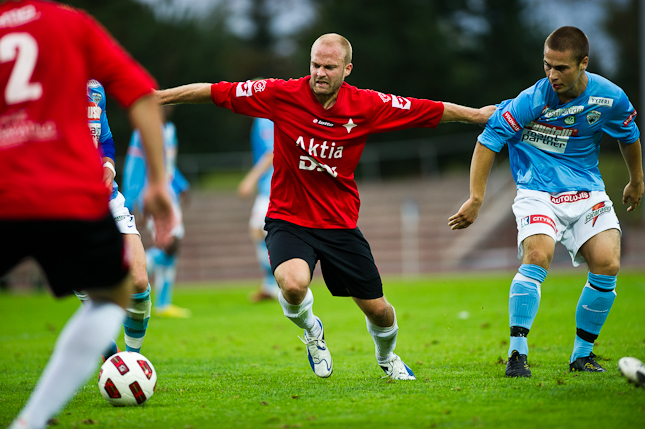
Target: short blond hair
[333,38]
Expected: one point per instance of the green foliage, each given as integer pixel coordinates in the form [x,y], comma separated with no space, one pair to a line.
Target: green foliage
[236,364]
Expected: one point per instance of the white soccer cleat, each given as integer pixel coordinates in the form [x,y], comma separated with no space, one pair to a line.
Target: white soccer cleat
[396,369]
[318,353]
[633,369]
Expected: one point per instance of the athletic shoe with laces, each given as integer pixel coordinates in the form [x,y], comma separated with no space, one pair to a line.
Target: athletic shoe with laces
[517,366]
[586,364]
[396,369]
[318,353]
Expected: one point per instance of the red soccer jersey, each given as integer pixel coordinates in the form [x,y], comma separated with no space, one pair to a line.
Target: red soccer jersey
[49,166]
[315,150]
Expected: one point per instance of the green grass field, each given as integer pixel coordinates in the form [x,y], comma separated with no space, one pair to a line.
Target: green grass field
[236,364]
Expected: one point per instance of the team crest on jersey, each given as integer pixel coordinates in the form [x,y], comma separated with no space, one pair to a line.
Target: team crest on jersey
[96,97]
[260,85]
[592,117]
[570,120]
[386,98]
[597,210]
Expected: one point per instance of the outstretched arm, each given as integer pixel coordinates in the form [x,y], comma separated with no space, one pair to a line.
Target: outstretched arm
[145,115]
[194,93]
[479,169]
[456,113]
[634,189]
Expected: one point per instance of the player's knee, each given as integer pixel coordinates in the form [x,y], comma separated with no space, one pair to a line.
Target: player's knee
[608,267]
[140,279]
[537,257]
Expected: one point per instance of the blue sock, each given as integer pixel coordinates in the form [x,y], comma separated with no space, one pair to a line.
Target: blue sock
[111,350]
[594,304]
[523,304]
[136,321]
[165,280]
[268,282]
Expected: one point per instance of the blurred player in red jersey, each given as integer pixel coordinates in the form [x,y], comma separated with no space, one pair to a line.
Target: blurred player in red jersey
[53,202]
[321,126]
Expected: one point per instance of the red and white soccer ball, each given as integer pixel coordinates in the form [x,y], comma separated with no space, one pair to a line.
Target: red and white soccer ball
[127,379]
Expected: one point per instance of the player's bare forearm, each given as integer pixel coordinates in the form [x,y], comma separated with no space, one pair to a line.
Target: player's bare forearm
[456,113]
[194,93]
[247,185]
[479,169]
[633,193]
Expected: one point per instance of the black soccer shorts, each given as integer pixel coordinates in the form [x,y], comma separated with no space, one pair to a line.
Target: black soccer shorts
[74,254]
[345,257]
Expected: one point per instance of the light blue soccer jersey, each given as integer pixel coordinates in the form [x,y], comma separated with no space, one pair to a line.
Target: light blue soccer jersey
[261,143]
[134,171]
[98,123]
[554,147]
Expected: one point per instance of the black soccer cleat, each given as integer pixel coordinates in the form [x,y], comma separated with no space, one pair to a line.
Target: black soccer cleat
[586,364]
[517,366]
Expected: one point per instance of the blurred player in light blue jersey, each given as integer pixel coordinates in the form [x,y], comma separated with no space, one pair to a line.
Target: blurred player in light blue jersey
[138,314]
[260,176]
[553,131]
[161,262]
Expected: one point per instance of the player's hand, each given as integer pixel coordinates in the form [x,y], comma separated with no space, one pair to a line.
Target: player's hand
[108,178]
[633,193]
[465,216]
[245,188]
[156,203]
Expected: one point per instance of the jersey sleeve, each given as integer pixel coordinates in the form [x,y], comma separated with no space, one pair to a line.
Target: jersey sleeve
[106,140]
[251,98]
[511,116]
[110,64]
[621,124]
[391,112]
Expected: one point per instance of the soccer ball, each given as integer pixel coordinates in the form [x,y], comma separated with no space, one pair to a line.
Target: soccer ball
[633,370]
[127,379]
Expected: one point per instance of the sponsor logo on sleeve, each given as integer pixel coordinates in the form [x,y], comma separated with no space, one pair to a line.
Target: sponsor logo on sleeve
[400,102]
[20,16]
[533,219]
[244,89]
[630,118]
[597,210]
[592,117]
[511,121]
[601,101]
[570,198]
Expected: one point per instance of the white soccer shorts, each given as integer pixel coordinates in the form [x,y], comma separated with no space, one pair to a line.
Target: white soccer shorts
[259,211]
[571,218]
[124,220]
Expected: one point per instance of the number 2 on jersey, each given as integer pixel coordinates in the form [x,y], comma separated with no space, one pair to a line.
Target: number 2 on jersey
[23,48]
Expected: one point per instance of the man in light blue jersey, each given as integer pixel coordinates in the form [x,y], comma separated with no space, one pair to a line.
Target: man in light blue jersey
[553,131]
[161,262]
[138,314]
[260,177]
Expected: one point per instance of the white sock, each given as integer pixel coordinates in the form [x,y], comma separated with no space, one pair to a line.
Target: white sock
[302,315]
[84,337]
[384,339]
